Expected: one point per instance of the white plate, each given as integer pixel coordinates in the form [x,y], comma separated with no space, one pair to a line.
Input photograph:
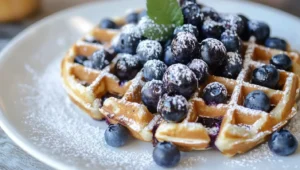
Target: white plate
[38,116]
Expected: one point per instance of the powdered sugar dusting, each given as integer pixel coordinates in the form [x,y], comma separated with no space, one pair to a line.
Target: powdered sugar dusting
[148,48]
[179,73]
[184,40]
[215,44]
[72,133]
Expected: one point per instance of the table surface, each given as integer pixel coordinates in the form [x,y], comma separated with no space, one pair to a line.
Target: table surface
[14,158]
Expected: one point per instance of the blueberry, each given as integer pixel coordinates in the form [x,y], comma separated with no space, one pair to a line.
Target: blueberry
[210,13]
[80,59]
[128,39]
[127,66]
[213,52]
[88,63]
[166,154]
[260,30]
[283,143]
[187,28]
[169,57]
[200,68]
[266,75]
[179,79]
[245,34]
[276,43]
[215,93]
[167,43]
[142,14]
[154,69]
[233,65]
[132,18]
[212,29]
[233,22]
[257,100]
[151,93]
[281,61]
[116,135]
[101,59]
[149,50]
[192,15]
[108,24]
[232,41]
[185,47]
[173,108]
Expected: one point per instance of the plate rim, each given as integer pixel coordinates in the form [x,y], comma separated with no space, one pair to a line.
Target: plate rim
[5,124]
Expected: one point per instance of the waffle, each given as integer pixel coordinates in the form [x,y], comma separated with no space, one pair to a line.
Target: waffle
[230,127]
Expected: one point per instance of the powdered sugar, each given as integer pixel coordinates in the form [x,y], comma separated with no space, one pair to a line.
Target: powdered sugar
[215,44]
[183,41]
[215,86]
[72,133]
[178,73]
[145,23]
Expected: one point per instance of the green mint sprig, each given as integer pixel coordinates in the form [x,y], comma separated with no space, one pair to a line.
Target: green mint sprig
[164,17]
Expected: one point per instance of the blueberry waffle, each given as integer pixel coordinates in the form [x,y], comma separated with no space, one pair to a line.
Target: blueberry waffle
[232,97]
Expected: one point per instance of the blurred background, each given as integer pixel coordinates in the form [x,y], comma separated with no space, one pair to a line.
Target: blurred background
[16,15]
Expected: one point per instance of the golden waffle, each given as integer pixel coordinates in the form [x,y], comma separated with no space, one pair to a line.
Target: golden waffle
[240,128]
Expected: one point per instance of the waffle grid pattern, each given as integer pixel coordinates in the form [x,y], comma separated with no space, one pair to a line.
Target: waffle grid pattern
[241,128]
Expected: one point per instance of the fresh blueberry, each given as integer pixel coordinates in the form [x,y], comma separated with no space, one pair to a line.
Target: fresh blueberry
[149,50]
[233,22]
[233,65]
[213,52]
[166,154]
[276,43]
[232,41]
[281,61]
[142,14]
[210,13]
[200,68]
[260,30]
[151,93]
[108,24]
[215,93]
[101,59]
[80,59]
[132,18]
[154,69]
[187,28]
[169,57]
[185,47]
[173,108]
[192,15]
[266,75]
[167,43]
[116,135]
[212,29]
[127,66]
[179,79]
[88,63]
[128,39]
[245,34]
[257,100]
[283,143]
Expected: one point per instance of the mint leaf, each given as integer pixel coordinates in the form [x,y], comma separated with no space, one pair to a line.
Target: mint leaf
[165,12]
[154,31]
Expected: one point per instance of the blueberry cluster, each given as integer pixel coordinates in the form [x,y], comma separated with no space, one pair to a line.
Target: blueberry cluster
[173,70]
[98,60]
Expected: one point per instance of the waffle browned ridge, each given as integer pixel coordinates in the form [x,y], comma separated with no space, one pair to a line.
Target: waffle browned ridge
[240,129]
